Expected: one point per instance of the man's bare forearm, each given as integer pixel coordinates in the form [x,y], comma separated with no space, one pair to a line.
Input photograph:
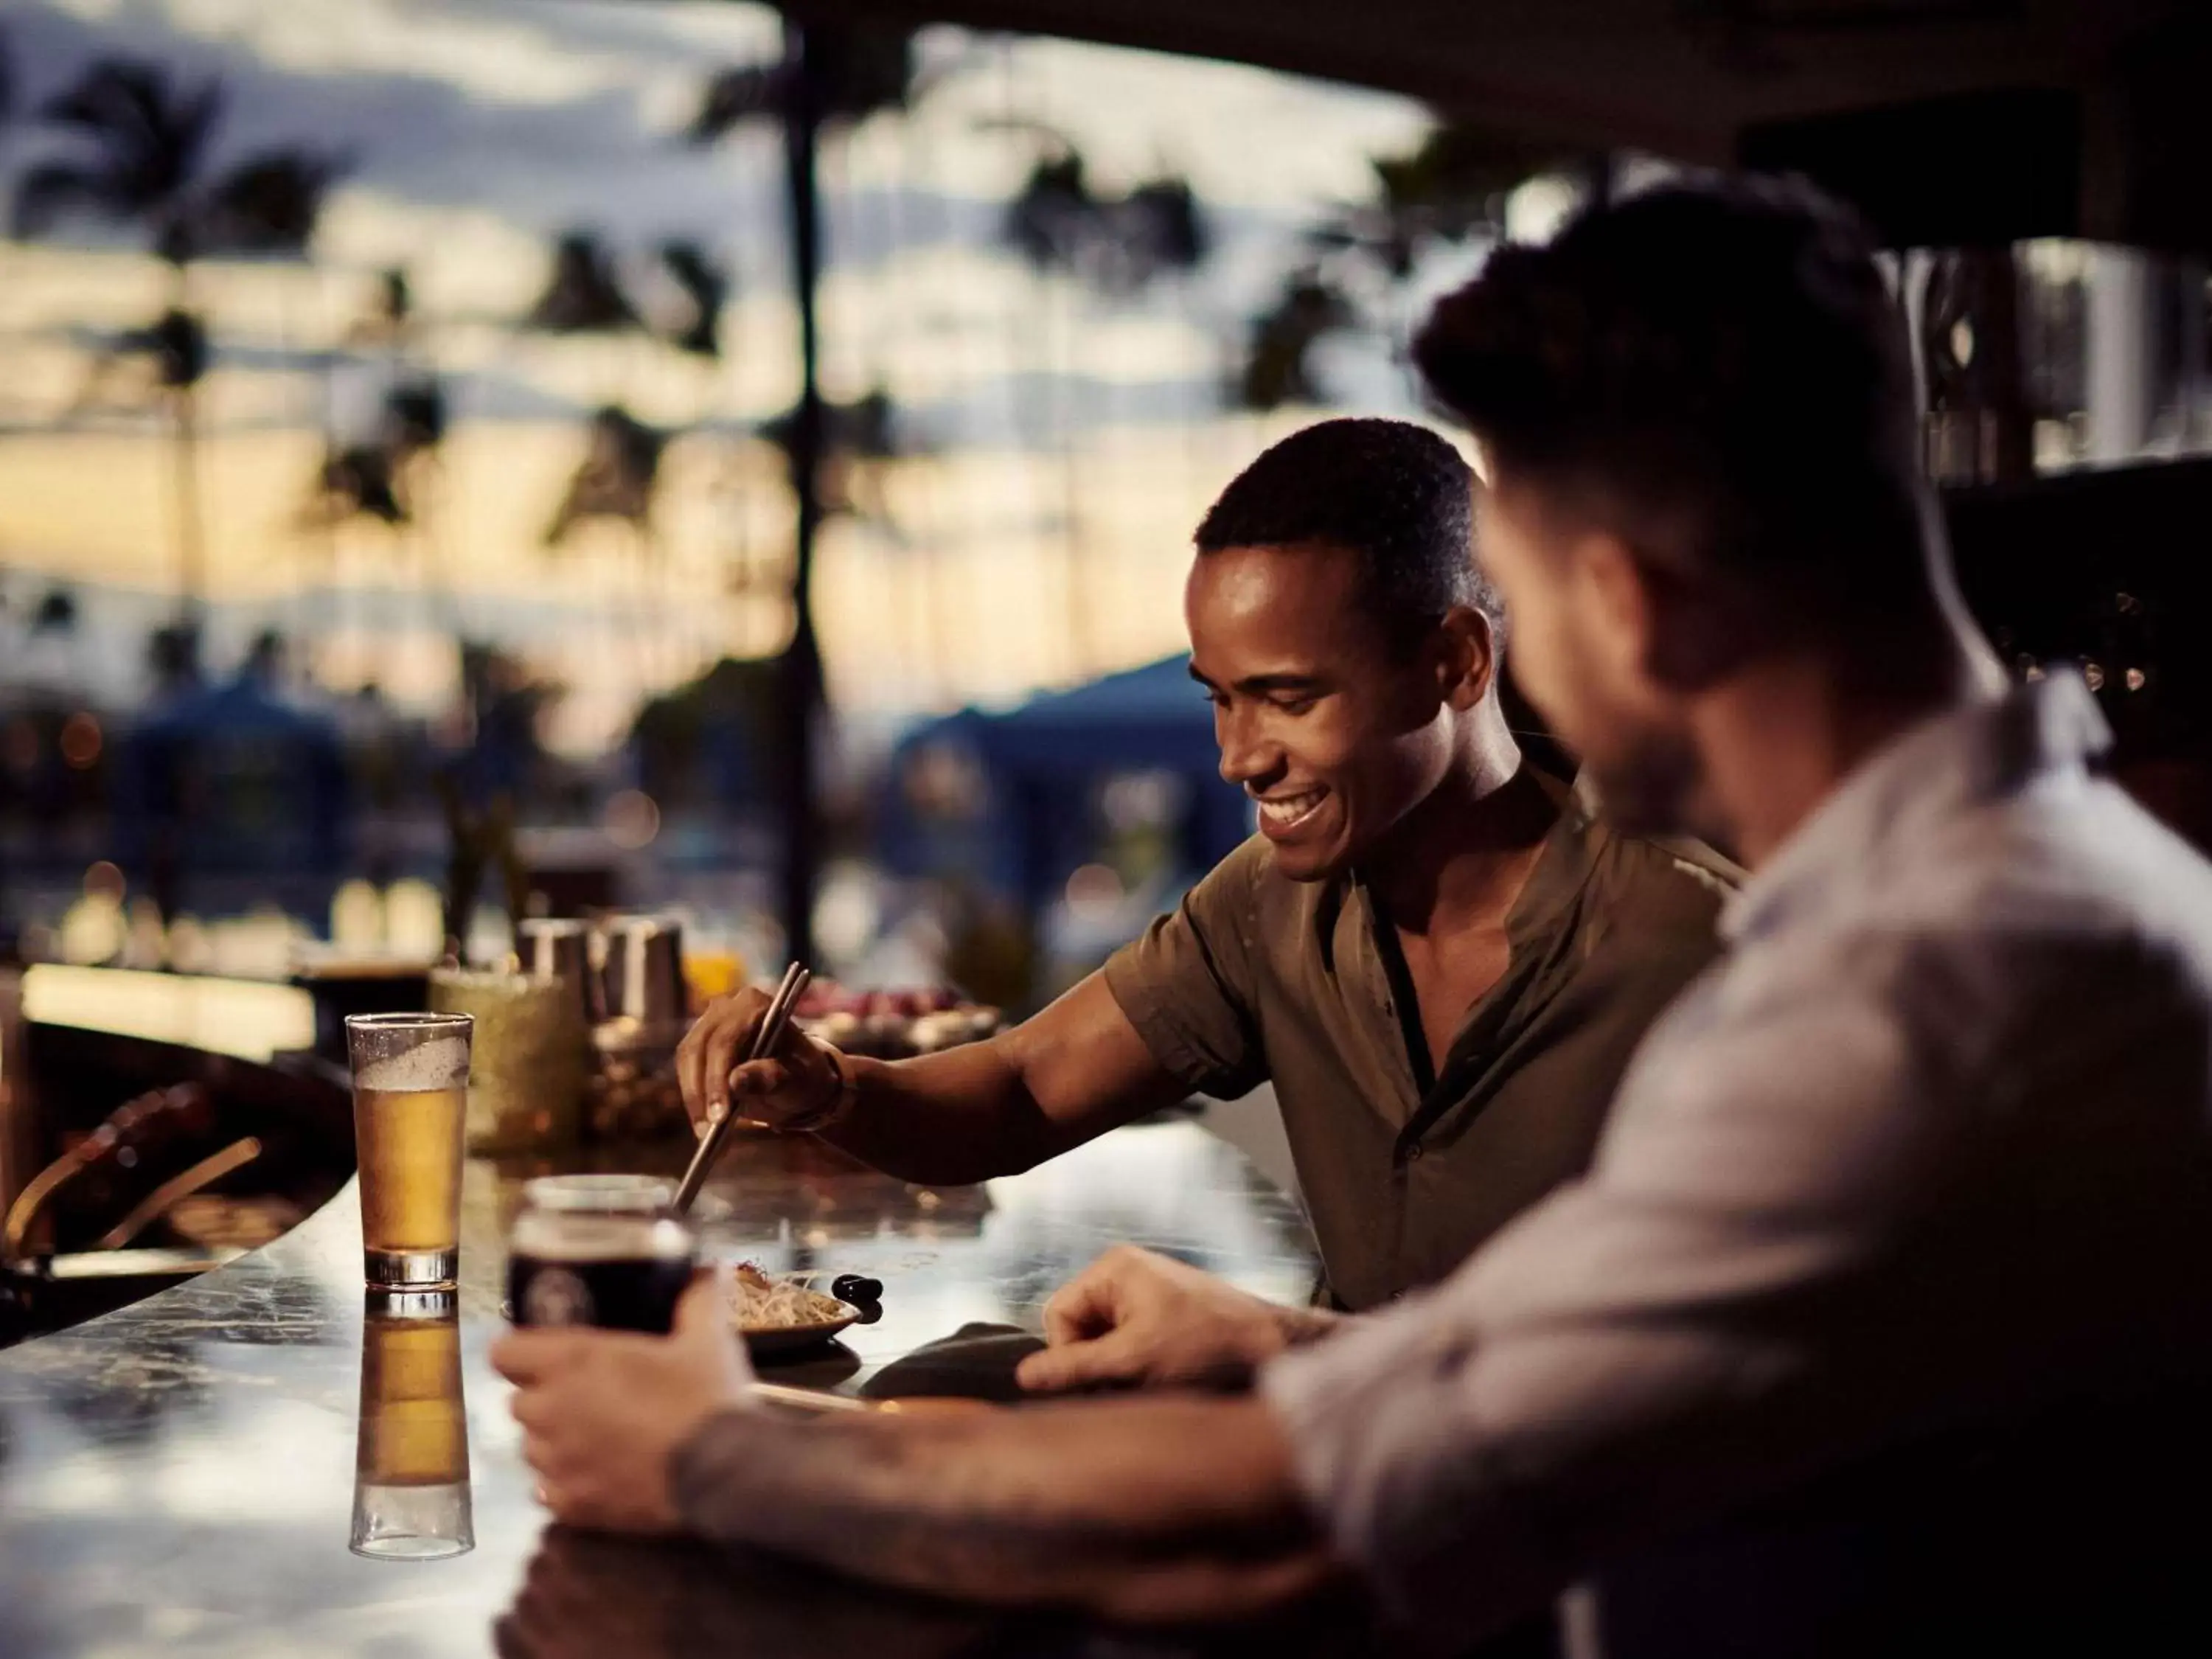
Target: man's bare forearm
[948,1119]
[991,1109]
[1166,1510]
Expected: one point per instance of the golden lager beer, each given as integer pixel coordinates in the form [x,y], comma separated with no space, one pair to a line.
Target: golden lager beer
[411,1074]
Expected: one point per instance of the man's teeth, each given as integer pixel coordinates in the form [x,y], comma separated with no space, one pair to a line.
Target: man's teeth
[1286,810]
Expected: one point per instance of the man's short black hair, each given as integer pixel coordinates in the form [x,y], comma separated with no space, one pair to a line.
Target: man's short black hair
[1395,493]
[1724,354]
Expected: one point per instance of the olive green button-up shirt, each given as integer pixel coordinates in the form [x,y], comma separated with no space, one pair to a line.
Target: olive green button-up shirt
[1256,977]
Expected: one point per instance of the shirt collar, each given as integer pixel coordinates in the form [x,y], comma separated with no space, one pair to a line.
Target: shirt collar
[1563,866]
[1946,764]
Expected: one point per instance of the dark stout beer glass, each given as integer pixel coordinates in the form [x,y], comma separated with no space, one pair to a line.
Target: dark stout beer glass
[598,1250]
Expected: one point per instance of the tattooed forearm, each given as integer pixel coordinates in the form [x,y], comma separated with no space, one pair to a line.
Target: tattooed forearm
[1132,1507]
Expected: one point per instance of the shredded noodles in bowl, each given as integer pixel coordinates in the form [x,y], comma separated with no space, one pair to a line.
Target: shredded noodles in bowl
[764,1303]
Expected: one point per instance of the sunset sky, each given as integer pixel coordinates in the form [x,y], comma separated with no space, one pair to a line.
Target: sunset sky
[1054,434]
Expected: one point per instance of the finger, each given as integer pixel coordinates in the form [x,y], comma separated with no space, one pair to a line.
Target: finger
[703,1310]
[759,1076]
[1079,1311]
[691,1065]
[538,1453]
[725,1043]
[526,1356]
[1081,1365]
[703,1325]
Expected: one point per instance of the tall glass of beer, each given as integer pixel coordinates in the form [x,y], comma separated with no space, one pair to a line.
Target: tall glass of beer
[411,1091]
[411,1495]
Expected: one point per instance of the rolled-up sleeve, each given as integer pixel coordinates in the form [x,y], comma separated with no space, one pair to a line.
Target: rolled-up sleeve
[1186,983]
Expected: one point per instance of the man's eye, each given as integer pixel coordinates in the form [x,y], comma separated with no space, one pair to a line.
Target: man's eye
[1295,705]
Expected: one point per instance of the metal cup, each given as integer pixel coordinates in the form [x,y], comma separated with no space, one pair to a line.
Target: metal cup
[642,978]
[560,947]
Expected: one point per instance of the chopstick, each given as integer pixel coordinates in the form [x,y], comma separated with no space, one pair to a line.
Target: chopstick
[810,1400]
[815,1400]
[764,1040]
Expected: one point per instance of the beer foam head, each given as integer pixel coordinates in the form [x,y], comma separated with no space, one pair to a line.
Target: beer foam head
[440,1063]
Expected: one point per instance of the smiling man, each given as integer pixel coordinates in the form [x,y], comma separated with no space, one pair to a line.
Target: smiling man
[1437,958]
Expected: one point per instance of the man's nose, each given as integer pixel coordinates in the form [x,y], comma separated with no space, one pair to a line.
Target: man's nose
[1247,759]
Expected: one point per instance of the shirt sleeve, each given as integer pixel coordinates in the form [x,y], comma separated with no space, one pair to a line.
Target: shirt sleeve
[1187,982]
[1656,1342]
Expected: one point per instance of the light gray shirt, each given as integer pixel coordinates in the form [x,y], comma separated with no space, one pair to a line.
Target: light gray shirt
[1931,1139]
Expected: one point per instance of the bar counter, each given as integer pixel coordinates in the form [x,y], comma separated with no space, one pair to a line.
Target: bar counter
[176,1478]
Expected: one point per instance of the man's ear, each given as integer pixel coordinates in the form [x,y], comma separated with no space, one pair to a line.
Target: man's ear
[1466,666]
[1675,631]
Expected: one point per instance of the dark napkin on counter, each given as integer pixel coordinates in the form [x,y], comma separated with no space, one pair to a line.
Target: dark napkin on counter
[976,1361]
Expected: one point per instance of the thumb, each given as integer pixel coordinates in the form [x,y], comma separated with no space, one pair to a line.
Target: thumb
[705,1331]
[702,1312]
[1113,1357]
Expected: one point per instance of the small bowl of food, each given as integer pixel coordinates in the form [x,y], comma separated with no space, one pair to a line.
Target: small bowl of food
[785,1313]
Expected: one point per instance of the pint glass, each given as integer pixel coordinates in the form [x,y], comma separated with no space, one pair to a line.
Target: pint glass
[598,1250]
[410,1091]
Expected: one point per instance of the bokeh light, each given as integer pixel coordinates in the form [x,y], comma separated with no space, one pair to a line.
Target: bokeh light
[632,820]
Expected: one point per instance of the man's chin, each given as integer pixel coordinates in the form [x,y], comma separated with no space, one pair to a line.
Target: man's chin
[1308,864]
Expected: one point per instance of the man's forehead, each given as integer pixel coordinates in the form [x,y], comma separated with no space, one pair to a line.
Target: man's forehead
[1262,575]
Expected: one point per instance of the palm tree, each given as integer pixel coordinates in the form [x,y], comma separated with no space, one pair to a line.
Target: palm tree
[859,72]
[141,143]
[617,479]
[702,286]
[379,479]
[1278,368]
[1119,246]
[1450,190]
[855,72]
[583,295]
[388,472]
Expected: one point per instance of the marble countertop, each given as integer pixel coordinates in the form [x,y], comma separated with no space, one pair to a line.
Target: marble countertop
[179,1477]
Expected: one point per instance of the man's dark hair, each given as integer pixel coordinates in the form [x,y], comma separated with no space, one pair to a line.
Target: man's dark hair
[1395,493]
[1725,354]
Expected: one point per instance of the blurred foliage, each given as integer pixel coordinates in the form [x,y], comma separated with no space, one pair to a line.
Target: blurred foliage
[860,70]
[1277,368]
[141,140]
[617,476]
[1119,244]
[583,295]
[1449,190]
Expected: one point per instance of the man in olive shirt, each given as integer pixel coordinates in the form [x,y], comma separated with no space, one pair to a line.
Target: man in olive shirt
[1440,960]
[1411,1153]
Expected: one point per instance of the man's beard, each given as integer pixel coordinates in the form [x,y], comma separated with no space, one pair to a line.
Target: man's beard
[1649,783]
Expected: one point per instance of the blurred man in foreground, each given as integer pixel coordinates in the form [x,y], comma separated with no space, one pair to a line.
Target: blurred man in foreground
[1440,960]
[1879,1323]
